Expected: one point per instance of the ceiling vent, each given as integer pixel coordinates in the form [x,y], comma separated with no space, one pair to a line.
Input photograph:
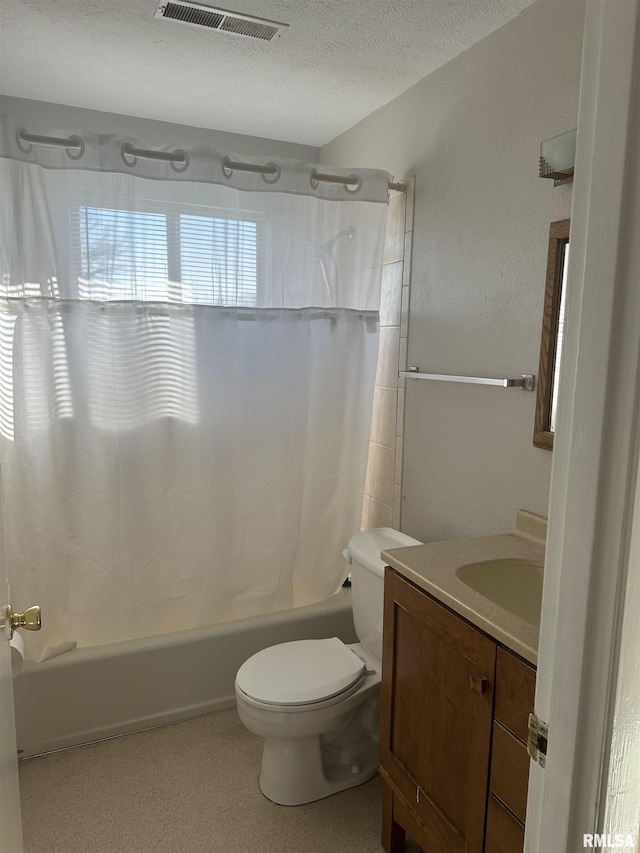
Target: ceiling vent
[198,15]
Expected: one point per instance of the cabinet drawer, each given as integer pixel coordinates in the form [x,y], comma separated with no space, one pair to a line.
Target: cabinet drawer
[515,693]
[505,834]
[509,771]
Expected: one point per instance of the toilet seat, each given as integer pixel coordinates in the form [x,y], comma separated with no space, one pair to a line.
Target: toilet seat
[303,672]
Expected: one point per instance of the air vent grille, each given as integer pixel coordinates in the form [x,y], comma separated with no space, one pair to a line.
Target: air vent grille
[198,15]
[253,29]
[192,15]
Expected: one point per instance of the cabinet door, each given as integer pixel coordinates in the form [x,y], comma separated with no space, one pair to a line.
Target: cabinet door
[438,677]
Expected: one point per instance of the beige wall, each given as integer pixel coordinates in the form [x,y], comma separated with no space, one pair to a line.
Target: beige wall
[63,117]
[470,133]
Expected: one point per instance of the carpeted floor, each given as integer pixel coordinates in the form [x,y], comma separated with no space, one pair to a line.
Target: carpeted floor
[186,788]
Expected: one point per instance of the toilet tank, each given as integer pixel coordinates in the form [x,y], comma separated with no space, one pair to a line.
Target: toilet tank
[367,582]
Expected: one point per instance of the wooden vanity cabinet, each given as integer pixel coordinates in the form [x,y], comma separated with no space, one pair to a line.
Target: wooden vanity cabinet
[436,715]
[442,678]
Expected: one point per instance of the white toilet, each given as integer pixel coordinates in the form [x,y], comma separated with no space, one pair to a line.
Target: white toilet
[316,702]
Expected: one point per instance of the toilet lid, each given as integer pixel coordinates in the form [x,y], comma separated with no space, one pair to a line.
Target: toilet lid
[300,672]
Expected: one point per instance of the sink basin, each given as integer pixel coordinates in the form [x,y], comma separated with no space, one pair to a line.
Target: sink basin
[513,584]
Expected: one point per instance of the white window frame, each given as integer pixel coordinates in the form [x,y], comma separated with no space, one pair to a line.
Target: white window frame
[172,211]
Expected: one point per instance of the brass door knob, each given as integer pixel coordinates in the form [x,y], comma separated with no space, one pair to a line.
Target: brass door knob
[30,620]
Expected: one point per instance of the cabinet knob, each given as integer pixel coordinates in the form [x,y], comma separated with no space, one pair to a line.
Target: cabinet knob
[478,684]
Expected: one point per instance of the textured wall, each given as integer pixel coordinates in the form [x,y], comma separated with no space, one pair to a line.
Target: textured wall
[149,131]
[470,133]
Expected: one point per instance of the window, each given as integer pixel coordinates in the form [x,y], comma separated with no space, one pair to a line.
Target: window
[162,253]
[169,255]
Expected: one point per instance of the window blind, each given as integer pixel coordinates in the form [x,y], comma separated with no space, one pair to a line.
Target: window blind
[169,256]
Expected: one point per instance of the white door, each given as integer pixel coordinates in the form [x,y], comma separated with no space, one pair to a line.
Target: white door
[10,820]
[588,796]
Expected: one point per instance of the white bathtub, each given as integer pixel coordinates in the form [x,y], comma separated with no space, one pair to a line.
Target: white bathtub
[98,692]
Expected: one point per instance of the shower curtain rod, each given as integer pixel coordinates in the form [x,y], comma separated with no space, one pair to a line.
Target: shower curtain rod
[351,182]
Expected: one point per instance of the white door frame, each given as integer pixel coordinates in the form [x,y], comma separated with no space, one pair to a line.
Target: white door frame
[592,563]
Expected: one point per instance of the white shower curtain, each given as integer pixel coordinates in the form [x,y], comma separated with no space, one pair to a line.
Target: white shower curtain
[187,363]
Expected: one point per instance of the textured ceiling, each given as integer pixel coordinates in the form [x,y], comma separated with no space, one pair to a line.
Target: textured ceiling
[338,61]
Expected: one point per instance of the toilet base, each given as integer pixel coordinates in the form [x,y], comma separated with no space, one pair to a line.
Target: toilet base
[295,771]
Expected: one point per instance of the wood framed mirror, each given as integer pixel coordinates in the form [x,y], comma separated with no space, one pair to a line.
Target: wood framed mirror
[552,334]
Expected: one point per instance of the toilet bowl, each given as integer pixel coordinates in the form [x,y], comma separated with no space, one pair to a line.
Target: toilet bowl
[312,748]
[316,702]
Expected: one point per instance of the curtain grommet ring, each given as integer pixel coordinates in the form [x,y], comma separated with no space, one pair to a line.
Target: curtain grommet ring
[227,171]
[358,185]
[313,179]
[23,145]
[125,152]
[76,142]
[180,167]
[272,179]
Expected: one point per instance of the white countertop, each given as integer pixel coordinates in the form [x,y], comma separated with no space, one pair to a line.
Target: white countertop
[433,568]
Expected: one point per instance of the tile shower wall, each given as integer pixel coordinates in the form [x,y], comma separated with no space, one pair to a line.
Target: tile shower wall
[382,494]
